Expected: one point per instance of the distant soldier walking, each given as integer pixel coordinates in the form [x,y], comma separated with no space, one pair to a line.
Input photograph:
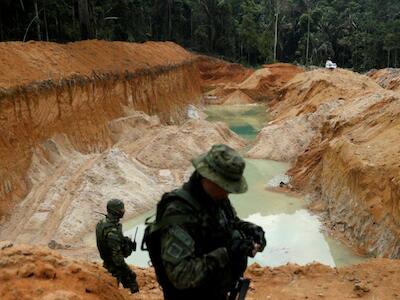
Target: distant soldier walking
[197,244]
[113,246]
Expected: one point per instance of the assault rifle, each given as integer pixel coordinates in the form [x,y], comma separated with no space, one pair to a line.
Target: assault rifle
[240,290]
[134,244]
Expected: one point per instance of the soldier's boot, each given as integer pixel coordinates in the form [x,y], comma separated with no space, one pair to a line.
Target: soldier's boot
[129,282]
[134,288]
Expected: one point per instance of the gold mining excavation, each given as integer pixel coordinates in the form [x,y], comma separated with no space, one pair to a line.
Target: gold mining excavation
[84,122]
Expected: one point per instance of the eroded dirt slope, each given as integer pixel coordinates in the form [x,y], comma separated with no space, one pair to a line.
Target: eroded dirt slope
[75,90]
[68,187]
[340,130]
[226,83]
[387,78]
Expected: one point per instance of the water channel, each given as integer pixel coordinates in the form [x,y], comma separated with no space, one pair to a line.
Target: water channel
[293,233]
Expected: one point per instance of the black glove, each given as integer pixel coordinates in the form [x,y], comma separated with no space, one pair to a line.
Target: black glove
[128,246]
[239,248]
[258,236]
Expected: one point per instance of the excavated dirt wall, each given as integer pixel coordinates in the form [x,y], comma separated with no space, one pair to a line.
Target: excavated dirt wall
[76,89]
[340,129]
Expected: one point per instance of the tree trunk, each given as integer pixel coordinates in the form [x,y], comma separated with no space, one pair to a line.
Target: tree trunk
[276,31]
[22,5]
[169,19]
[37,21]
[1,29]
[388,61]
[73,15]
[308,38]
[45,24]
[191,27]
[84,20]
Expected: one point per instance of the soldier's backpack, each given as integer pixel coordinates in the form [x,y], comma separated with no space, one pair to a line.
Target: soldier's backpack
[152,237]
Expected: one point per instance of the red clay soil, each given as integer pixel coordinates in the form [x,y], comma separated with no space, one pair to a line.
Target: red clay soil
[24,63]
[265,83]
[221,80]
[32,273]
[76,89]
[216,72]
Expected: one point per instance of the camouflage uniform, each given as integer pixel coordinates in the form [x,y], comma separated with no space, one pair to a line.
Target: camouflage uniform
[198,254]
[113,246]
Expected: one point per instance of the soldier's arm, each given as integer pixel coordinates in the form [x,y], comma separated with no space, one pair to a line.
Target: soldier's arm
[114,243]
[183,268]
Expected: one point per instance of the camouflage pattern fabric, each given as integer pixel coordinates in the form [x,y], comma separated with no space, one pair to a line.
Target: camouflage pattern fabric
[112,247]
[195,254]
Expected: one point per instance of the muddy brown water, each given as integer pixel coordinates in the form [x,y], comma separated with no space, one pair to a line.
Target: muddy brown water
[294,234]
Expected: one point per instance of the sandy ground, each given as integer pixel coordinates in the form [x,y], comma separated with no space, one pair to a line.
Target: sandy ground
[387,78]
[68,187]
[339,129]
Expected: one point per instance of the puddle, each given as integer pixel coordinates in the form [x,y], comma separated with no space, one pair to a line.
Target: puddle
[245,120]
[294,235]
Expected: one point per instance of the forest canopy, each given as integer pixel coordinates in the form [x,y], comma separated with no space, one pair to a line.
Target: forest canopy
[358,34]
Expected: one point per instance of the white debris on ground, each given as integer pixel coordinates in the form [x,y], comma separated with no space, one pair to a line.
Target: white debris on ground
[278,181]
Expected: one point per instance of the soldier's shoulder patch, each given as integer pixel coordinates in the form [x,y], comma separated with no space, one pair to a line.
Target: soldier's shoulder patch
[181,235]
[178,245]
[175,250]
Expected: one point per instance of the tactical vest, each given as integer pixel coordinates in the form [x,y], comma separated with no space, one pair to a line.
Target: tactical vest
[102,229]
[203,225]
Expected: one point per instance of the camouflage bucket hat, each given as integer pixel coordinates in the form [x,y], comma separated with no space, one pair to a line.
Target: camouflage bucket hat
[224,166]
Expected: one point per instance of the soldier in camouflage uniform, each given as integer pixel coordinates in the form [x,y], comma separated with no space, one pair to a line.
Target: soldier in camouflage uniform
[113,246]
[204,245]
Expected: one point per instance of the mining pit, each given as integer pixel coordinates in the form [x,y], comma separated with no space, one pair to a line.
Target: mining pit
[84,122]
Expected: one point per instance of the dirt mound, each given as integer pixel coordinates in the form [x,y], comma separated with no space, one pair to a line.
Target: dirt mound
[215,72]
[387,78]
[172,147]
[148,159]
[305,103]
[314,281]
[32,273]
[237,97]
[341,133]
[264,83]
[306,91]
[37,273]
[49,89]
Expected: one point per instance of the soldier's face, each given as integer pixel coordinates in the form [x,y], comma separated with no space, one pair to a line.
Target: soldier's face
[214,190]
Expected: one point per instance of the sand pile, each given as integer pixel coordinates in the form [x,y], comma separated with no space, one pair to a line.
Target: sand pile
[387,78]
[306,91]
[67,187]
[264,84]
[237,97]
[305,104]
